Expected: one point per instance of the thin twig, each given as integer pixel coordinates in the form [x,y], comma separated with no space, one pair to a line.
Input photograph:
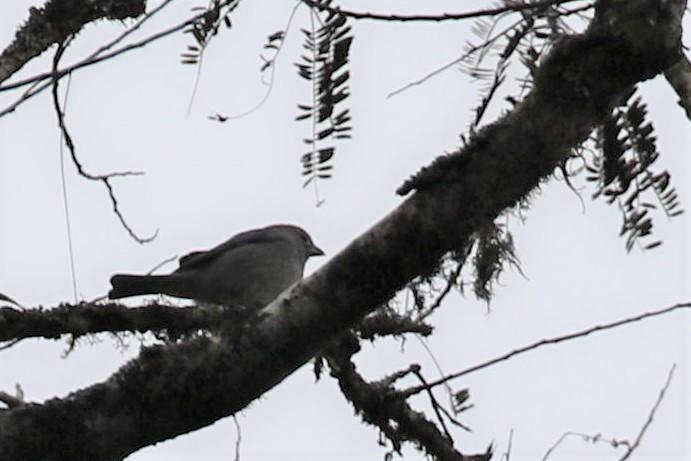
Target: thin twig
[597,438]
[269,83]
[647,423]
[97,57]
[507,455]
[10,343]
[65,201]
[71,147]
[215,9]
[456,61]
[434,17]
[131,30]
[437,365]
[436,407]
[439,409]
[36,87]
[40,80]
[162,263]
[238,439]
[451,282]
[544,342]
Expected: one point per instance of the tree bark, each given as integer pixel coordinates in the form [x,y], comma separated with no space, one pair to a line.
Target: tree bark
[175,389]
[55,22]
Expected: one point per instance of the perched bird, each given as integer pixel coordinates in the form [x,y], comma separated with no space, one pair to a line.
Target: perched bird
[250,269]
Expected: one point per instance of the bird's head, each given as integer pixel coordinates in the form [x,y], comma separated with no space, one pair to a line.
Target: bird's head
[302,238]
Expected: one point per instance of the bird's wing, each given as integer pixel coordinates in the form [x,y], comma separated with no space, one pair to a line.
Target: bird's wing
[198,259]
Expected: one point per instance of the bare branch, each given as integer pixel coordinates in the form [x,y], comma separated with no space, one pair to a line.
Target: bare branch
[544,342]
[56,21]
[105,179]
[99,56]
[469,52]
[238,438]
[379,404]
[42,81]
[616,443]
[647,423]
[506,456]
[597,438]
[9,344]
[451,281]
[162,263]
[439,409]
[434,17]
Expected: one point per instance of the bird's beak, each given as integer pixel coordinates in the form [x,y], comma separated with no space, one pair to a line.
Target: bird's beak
[315,251]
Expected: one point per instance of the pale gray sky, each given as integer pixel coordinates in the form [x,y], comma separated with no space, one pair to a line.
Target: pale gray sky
[206,181]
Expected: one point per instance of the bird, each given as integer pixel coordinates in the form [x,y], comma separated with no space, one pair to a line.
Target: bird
[248,270]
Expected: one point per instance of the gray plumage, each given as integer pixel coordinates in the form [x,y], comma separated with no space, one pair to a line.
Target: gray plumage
[250,269]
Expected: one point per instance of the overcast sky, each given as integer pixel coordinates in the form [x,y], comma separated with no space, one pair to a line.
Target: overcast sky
[205,181]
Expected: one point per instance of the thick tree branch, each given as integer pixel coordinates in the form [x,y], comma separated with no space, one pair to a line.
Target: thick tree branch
[56,21]
[87,318]
[385,323]
[380,405]
[171,390]
[679,76]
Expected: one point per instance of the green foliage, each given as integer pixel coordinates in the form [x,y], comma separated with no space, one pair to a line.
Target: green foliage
[624,173]
[206,25]
[526,37]
[625,150]
[621,165]
[324,66]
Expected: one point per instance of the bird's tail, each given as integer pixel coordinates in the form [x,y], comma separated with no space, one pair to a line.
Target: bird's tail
[125,285]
